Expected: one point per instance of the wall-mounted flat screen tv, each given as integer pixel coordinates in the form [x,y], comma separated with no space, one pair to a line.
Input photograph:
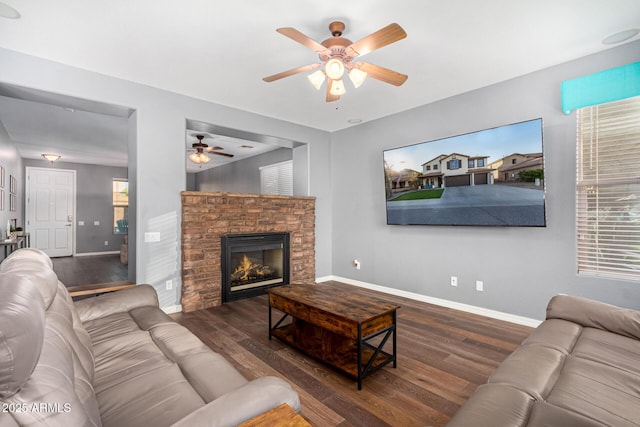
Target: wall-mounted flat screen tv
[492,177]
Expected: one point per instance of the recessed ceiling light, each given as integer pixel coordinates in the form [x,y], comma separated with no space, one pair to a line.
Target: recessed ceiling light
[7,11]
[621,36]
[354,121]
[246,146]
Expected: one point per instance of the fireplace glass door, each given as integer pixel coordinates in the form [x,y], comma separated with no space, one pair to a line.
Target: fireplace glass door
[253,262]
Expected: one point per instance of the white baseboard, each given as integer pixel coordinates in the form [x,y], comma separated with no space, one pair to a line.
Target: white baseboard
[98,253]
[520,320]
[172,309]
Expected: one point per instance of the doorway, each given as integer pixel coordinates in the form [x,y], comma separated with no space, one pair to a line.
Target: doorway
[50,210]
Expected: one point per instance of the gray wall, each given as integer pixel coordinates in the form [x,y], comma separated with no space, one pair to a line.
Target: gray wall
[157,159]
[11,161]
[239,177]
[93,203]
[521,267]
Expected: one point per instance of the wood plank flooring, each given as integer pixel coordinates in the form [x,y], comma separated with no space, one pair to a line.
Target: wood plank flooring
[90,270]
[443,355]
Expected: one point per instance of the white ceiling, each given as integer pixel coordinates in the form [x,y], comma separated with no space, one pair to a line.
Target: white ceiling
[219,51]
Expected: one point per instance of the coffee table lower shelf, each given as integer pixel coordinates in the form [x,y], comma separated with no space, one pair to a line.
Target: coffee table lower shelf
[337,351]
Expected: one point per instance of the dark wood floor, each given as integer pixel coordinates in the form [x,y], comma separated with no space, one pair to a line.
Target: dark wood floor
[90,270]
[443,355]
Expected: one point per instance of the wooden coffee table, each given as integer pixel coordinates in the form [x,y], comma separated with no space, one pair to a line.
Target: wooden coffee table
[335,327]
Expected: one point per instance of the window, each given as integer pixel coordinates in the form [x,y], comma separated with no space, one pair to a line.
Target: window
[471,164]
[480,163]
[277,179]
[453,164]
[435,167]
[608,190]
[120,206]
[428,167]
[513,161]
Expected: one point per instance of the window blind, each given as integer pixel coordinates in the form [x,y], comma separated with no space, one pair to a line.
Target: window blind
[277,179]
[608,190]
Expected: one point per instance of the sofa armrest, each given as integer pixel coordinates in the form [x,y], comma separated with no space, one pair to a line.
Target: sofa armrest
[595,314]
[244,403]
[116,302]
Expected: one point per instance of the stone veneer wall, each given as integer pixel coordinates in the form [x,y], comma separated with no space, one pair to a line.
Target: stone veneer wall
[208,216]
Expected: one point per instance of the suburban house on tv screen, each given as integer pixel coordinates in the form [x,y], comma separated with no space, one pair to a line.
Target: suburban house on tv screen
[456,169]
[508,167]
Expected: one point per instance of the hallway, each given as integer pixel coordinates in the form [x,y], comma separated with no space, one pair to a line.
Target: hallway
[89,270]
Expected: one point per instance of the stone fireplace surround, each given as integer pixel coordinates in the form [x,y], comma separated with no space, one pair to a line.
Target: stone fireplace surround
[206,217]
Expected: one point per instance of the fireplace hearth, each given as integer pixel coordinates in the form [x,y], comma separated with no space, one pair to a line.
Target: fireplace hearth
[252,263]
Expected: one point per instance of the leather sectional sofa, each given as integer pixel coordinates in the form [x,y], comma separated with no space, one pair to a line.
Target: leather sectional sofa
[112,360]
[580,367]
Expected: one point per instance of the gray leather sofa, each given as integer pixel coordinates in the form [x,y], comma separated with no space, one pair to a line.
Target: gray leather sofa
[580,367]
[112,360]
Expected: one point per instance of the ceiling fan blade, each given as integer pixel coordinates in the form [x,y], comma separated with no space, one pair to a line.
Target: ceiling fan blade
[330,96]
[381,38]
[220,154]
[297,36]
[291,72]
[380,73]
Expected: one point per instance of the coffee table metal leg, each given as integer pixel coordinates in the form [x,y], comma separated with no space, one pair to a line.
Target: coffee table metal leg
[395,359]
[270,322]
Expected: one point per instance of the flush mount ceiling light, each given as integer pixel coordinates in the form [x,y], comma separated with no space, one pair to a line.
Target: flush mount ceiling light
[621,36]
[51,157]
[337,54]
[7,11]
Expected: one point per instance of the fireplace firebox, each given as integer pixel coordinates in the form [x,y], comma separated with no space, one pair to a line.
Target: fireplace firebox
[252,263]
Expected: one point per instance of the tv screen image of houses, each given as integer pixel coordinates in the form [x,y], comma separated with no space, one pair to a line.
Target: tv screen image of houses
[492,177]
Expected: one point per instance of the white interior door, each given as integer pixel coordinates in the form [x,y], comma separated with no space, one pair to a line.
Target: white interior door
[50,206]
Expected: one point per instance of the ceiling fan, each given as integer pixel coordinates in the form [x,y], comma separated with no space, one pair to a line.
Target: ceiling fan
[200,150]
[337,54]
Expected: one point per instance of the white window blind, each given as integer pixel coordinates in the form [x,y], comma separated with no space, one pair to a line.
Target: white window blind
[277,179]
[608,190]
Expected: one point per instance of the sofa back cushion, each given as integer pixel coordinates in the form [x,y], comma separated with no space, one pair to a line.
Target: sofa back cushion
[53,384]
[21,332]
[595,314]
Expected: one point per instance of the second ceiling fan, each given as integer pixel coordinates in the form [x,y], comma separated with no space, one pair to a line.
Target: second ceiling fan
[337,55]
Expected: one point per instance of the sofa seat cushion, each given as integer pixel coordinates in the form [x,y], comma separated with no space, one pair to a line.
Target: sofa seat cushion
[146,351]
[601,380]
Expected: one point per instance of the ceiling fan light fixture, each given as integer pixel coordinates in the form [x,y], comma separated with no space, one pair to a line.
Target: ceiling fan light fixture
[357,77]
[317,78]
[337,87]
[334,69]
[199,158]
[51,157]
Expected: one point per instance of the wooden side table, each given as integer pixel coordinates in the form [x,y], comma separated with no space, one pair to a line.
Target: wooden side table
[280,416]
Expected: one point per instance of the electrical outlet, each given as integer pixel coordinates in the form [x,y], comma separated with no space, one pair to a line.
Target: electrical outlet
[106,243]
[356,264]
[454,280]
[169,284]
[81,223]
[96,222]
[479,285]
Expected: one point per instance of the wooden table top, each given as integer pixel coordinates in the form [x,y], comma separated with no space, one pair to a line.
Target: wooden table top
[280,416]
[353,306]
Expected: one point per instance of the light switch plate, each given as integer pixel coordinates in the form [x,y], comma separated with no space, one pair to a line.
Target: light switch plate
[153,236]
